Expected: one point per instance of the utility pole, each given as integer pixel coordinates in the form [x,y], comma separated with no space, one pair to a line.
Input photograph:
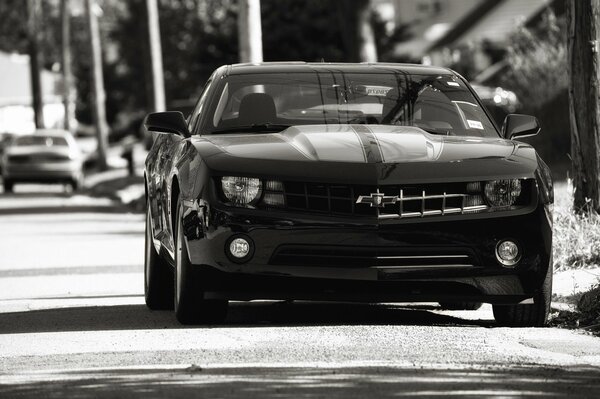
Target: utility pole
[98,93]
[67,75]
[33,32]
[250,31]
[584,90]
[158,82]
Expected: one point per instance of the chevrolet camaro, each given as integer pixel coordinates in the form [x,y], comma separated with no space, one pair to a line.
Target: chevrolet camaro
[345,182]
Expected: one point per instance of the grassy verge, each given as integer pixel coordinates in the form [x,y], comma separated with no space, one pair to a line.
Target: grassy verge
[576,246]
[576,236]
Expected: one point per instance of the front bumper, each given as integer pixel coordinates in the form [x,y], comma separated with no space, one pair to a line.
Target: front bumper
[339,259]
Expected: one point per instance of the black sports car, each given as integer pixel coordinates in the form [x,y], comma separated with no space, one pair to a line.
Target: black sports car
[345,182]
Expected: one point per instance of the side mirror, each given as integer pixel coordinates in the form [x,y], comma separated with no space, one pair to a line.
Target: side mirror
[517,126]
[167,122]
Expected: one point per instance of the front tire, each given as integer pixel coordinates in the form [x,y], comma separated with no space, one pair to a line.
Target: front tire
[535,315]
[190,305]
[158,274]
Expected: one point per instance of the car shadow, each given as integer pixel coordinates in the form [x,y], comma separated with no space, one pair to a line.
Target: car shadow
[312,382]
[241,314]
[11,201]
[112,208]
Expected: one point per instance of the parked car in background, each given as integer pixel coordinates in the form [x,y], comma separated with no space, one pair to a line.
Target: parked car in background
[346,182]
[5,139]
[46,156]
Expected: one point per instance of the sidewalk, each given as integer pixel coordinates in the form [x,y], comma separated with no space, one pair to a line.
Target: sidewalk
[117,184]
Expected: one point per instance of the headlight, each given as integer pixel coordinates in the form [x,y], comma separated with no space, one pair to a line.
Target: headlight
[502,192]
[241,190]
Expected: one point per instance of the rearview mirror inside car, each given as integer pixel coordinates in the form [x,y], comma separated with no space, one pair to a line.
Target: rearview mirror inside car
[518,126]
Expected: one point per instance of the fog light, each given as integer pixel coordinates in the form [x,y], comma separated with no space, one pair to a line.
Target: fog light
[239,247]
[508,253]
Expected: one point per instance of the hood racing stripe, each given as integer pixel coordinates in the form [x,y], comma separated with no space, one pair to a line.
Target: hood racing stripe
[370,144]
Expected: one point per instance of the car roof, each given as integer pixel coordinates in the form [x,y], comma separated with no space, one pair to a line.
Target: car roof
[298,66]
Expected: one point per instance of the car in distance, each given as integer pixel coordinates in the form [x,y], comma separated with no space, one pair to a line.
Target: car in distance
[345,182]
[46,156]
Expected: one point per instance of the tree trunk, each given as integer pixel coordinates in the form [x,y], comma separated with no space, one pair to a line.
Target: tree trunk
[354,19]
[250,31]
[33,31]
[366,37]
[584,91]
[67,74]
[158,83]
[98,93]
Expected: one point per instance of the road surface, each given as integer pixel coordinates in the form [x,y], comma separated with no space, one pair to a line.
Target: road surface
[73,324]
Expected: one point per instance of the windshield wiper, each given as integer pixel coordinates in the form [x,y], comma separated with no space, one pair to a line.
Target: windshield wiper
[256,128]
[431,130]
[435,131]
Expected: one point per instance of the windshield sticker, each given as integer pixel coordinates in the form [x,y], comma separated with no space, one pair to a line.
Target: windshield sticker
[475,124]
[373,90]
[455,84]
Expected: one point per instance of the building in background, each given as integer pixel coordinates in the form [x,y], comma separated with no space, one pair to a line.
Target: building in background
[427,21]
[486,29]
[16,112]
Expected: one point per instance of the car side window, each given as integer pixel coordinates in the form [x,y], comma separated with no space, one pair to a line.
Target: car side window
[195,116]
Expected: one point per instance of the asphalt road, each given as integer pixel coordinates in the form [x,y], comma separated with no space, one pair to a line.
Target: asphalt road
[73,324]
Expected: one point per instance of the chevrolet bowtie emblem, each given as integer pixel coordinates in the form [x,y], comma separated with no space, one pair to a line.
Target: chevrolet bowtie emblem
[377,200]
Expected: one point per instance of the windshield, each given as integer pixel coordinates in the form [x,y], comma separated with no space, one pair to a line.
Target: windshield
[47,141]
[438,104]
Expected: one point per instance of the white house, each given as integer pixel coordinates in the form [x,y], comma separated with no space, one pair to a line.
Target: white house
[16,111]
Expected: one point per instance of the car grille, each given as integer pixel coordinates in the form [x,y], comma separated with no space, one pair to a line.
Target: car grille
[406,201]
[382,258]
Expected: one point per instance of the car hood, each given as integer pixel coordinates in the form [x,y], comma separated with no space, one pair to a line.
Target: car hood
[365,147]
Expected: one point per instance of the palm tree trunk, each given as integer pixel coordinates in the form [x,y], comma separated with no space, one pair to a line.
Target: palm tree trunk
[67,74]
[98,93]
[158,83]
[35,63]
[250,31]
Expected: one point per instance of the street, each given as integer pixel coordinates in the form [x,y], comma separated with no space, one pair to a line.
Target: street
[73,324]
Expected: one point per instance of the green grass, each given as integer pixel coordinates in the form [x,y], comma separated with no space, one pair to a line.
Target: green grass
[576,236]
[576,245]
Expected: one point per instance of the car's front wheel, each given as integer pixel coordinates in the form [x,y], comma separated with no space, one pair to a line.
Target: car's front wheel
[534,315]
[158,274]
[190,305]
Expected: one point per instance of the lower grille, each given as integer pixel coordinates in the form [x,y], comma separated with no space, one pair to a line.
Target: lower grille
[373,257]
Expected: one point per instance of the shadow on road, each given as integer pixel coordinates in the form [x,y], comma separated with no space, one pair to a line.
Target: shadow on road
[291,382]
[254,314]
[34,202]
[65,209]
